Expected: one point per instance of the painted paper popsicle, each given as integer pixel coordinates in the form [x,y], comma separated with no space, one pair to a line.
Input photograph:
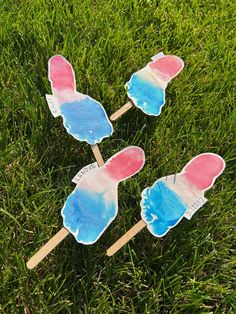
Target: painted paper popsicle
[93,205]
[83,117]
[169,199]
[146,87]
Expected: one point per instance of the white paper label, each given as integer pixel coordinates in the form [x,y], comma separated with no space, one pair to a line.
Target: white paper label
[194,207]
[53,105]
[84,171]
[159,55]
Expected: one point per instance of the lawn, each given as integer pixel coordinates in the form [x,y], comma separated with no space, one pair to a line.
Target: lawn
[192,268]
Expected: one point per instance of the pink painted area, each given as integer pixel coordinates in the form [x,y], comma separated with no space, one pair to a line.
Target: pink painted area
[167,67]
[203,170]
[125,163]
[61,74]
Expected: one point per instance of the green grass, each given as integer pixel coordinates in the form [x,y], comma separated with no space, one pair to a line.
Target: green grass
[190,270]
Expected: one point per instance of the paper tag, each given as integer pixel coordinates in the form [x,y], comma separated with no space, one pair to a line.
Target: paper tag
[53,105]
[84,171]
[159,55]
[194,207]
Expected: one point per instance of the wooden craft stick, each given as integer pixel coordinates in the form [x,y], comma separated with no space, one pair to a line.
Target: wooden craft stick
[126,237]
[121,111]
[47,248]
[97,155]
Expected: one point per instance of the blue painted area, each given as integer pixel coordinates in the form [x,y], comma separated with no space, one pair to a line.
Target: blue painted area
[146,96]
[86,120]
[166,205]
[89,214]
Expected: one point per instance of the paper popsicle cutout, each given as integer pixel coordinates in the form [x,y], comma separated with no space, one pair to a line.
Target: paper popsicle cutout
[146,87]
[93,205]
[166,202]
[83,117]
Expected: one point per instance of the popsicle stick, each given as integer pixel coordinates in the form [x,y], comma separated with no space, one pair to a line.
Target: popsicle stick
[126,237]
[97,155]
[47,248]
[121,111]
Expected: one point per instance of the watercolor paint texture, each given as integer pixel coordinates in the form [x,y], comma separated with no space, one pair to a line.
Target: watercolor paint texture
[164,204]
[146,87]
[83,117]
[93,204]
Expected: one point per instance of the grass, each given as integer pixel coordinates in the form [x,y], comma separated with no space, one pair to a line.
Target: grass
[190,270]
